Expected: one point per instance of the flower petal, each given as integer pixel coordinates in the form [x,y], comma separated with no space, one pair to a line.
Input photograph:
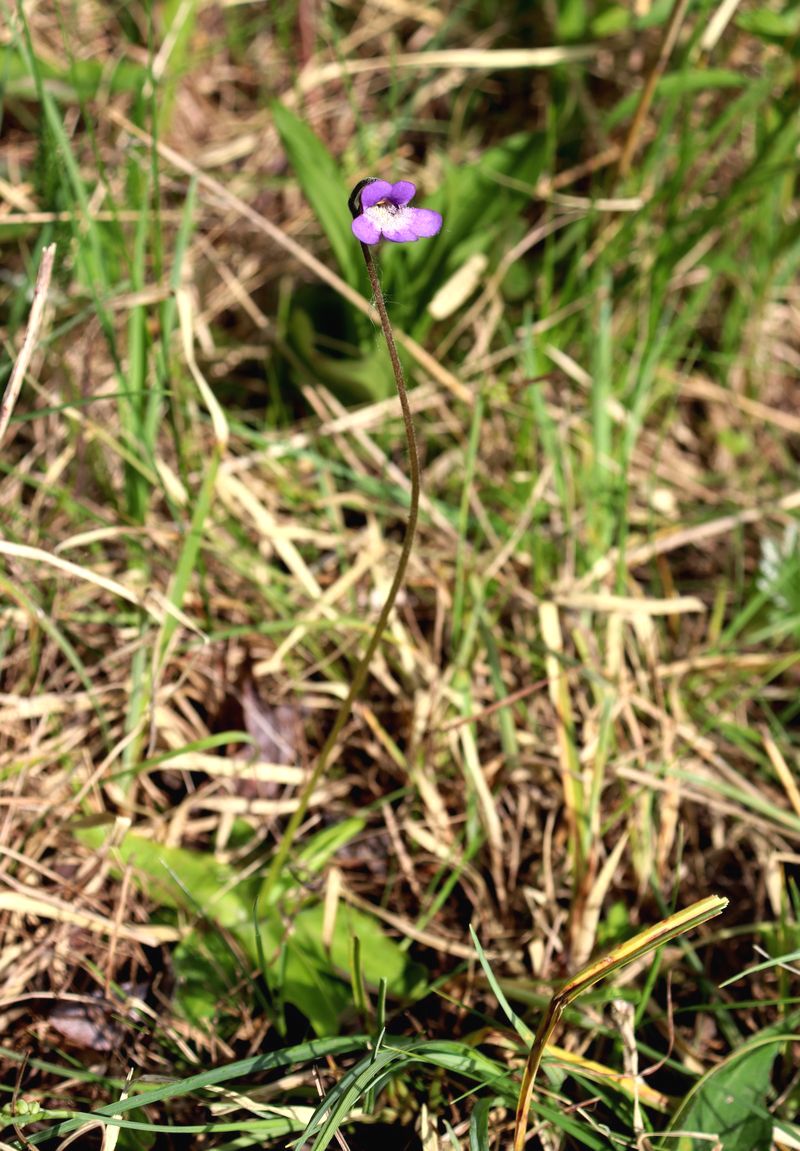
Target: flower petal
[402,192]
[424,221]
[372,193]
[400,236]
[396,225]
[365,230]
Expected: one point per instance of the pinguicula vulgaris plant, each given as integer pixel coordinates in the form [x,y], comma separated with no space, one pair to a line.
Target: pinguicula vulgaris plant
[380,210]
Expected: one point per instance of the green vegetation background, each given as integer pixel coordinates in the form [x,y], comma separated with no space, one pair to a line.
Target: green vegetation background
[585,711]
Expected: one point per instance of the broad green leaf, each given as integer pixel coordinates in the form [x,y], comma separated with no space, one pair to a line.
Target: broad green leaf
[570,19]
[206,974]
[299,968]
[611,22]
[365,379]
[303,977]
[136,1140]
[314,855]
[177,877]
[482,205]
[303,972]
[381,957]
[618,18]
[323,187]
[472,199]
[730,1102]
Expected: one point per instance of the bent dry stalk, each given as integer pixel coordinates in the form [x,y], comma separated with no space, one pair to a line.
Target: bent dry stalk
[641,944]
[380,211]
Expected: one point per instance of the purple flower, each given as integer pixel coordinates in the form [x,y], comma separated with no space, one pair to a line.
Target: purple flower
[383,211]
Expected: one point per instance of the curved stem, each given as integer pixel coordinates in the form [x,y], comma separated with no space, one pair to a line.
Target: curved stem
[642,944]
[360,674]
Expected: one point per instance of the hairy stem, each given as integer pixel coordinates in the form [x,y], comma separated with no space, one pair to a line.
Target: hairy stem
[359,676]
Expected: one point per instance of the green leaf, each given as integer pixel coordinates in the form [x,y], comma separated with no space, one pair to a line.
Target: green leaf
[302,976]
[521,1028]
[321,847]
[730,1103]
[178,877]
[207,974]
[481,204]
[683,83]
[768,25]
[381,957]
[611,22]
[323,187]
[79,81]
[315,979]
[300,970]
[362,379]
[479,1125]
[241,1069]
[368,1074]
[136,1140]
[472,198]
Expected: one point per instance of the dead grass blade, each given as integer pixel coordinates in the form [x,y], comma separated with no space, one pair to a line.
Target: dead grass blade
[472,59]
[35,321]
[684,537]
[39,556]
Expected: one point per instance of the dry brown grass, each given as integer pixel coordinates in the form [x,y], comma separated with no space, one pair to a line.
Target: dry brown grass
[581,713]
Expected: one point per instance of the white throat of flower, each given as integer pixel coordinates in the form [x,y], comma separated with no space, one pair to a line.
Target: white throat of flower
[384,213]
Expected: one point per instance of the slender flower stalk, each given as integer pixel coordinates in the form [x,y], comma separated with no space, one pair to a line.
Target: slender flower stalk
[379,209]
